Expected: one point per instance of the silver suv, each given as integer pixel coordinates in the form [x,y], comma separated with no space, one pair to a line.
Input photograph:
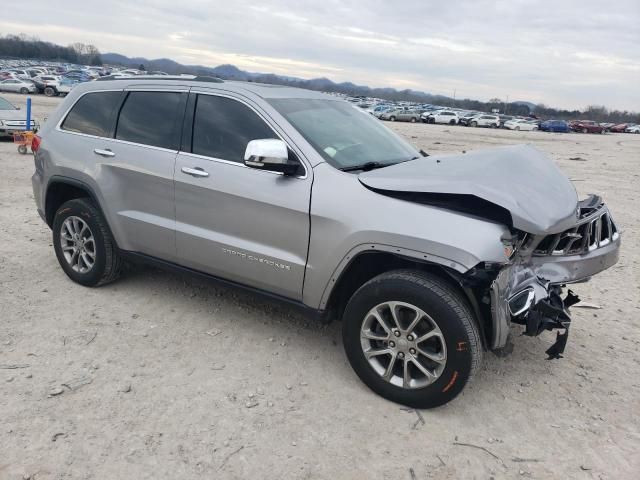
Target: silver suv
[427,260]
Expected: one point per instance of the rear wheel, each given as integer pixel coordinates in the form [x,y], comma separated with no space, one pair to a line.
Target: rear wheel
[474,124]
[84,245]
[518,129]
[392,118]
[452,122]
[50,91]
[411,338]
[413,120]
[584,130]
[24,90]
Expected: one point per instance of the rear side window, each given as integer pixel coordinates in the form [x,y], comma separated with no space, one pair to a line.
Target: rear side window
[151,118]
[222,127]
[93,114]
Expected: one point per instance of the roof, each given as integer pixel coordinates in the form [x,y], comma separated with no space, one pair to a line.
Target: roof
[260,89]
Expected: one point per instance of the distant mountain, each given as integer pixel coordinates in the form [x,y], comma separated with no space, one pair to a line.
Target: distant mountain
[231,72]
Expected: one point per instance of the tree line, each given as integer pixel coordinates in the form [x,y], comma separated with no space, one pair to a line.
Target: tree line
[25,47]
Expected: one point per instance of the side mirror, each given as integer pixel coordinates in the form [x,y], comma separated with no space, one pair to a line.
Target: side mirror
[270,154]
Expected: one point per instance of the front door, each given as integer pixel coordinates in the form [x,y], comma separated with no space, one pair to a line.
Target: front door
[242,224]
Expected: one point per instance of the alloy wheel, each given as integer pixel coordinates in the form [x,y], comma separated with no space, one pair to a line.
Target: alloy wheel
[403,345]
[78,244]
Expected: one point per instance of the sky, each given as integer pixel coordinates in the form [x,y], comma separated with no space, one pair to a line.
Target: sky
[562,53]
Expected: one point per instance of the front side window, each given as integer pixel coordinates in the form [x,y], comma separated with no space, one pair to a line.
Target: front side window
[93,114]
[222,128]
[151,118]
[343,135]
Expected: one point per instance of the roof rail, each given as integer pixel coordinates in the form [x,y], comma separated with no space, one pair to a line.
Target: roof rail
[190,78]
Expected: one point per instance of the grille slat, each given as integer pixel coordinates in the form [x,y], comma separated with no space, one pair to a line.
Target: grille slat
[595,229]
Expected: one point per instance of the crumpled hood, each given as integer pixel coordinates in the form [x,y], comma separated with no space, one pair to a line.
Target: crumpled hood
[520,179]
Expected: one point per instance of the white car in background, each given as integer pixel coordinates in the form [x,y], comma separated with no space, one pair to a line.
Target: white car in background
[491,121]
[633,129]
[521,124]
[442,116]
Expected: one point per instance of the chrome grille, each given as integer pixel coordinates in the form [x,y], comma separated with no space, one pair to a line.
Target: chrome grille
[595,229]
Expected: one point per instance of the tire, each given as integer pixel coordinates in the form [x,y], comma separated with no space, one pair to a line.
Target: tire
[446,311]
[413,119]
[452,122]
[24,91]
[493,125]
[22,149]
[584,130]
[534,129]
[50,92]
[518,129]
[107,262]
[392,118]
[474,124]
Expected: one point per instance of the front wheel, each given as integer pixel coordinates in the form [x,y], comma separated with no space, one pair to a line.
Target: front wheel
[411,338]
[393,119]
[84,245]
[413,120]
[50,92]
[24,91]
[474,124]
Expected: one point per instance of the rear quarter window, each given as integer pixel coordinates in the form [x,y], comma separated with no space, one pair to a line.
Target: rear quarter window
[93,114]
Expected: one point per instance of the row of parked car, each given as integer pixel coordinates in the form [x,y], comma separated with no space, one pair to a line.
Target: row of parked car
[53,79]
[441,115]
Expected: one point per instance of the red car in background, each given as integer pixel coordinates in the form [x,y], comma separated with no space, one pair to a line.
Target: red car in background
[620,128]
[586,126]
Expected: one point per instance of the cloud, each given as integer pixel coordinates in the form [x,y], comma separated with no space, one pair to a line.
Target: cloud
[571,54]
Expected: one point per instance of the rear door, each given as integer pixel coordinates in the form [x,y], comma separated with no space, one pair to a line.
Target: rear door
[129,141]
[232,221]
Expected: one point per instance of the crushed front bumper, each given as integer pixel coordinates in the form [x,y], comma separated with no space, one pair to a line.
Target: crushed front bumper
[528,291]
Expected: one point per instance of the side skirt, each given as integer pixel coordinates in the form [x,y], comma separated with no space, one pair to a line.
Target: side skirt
[141,258]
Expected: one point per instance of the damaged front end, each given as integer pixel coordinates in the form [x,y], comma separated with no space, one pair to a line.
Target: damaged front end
[528,291]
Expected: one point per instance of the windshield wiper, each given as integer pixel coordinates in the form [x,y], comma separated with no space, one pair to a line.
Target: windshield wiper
[365,167]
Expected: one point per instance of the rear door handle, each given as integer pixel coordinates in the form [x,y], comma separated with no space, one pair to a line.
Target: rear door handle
[195,172]
[104,153]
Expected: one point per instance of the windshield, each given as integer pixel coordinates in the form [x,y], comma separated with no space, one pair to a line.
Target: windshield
[4,105]
[344,136]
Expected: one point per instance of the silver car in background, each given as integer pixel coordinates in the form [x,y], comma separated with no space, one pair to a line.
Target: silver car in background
[427,260]
[17,85]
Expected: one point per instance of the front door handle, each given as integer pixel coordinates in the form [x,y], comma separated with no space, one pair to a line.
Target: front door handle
[104,153]
[195,172]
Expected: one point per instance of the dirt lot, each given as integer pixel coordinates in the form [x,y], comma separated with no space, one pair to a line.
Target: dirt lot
[166,376]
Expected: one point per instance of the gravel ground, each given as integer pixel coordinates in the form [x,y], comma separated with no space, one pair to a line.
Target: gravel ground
[166,376]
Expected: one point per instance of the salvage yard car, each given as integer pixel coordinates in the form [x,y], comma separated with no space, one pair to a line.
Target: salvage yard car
[492,121]
[400,115]
[12,119]
[521,124]
[427,260]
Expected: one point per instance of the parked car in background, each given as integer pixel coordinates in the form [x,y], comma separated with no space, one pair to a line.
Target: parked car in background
[491,121]
[633,129]
[465,118]
[586,126]
[400,115]
[620,128]
[12,119]
[41,81]
[521,124]
[440,116]
[17,85]
[555,126]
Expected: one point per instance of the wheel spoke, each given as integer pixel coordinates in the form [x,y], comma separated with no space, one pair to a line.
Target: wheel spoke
[423,369]
[66,248]
[389,371]
[394,316]
[375,314]
[86,260]
[436,357]
[414,322]
[428,335]
[406,378]
[369,335]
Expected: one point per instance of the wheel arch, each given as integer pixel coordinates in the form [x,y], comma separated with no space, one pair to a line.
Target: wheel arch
[61,190]
[367,264]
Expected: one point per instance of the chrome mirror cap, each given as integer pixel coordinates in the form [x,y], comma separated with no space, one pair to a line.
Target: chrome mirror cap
[270,154]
